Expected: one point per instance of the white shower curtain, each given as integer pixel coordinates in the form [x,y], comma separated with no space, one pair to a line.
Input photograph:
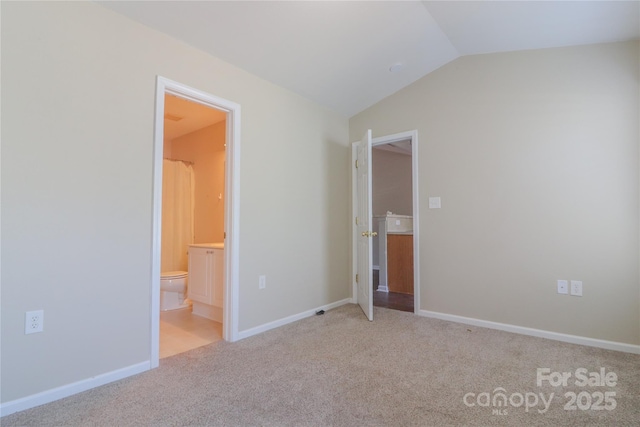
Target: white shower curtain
[177,214]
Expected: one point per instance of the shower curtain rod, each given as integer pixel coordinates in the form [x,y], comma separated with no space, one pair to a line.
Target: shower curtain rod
[178,160]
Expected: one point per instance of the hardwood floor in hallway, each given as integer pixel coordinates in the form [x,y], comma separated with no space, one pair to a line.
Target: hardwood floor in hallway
[392,300]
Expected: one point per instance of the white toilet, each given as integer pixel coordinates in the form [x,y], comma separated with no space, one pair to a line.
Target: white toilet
[173,289]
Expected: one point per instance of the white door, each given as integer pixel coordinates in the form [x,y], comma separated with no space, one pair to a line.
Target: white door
[363,224]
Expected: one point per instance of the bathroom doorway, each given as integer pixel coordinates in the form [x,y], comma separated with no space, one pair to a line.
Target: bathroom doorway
[198,132]
[194,145]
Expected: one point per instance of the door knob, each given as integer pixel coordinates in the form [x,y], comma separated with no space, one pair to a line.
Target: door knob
[369,234]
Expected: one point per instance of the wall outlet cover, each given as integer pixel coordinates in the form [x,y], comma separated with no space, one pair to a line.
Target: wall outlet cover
[33,322]
[576,288]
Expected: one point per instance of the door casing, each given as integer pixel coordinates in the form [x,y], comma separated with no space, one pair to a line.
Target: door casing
[389,139]
[232,207]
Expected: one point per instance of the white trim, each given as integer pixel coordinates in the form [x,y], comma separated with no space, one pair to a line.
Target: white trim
[158,148]
[294,318]
[411,135]
[573,339]
[67,390]
[352,221]
[232,207]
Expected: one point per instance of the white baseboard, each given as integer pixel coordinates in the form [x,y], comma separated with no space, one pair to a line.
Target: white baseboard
[71,389]
[573,339]
[281,322]
[207,311]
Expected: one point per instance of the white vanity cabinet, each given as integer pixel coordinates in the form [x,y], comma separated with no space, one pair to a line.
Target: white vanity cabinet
[206,279]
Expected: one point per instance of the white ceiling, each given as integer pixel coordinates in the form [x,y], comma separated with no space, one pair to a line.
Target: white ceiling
[338,53]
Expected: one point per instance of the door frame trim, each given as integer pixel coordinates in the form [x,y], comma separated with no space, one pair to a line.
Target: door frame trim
[232,207]
[388,139]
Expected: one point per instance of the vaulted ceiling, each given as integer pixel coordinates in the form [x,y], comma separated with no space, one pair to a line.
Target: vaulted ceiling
[340,53]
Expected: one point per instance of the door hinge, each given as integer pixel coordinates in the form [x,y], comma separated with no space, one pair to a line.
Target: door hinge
[356,278]
[224,235]
[357,164]
[356,220]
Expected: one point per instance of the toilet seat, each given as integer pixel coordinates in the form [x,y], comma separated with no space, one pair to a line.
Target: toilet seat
[171,275]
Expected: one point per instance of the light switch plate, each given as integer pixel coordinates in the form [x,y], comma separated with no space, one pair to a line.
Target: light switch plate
[434,203]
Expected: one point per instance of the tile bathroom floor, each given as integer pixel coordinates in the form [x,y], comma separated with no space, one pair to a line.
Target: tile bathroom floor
[181,331]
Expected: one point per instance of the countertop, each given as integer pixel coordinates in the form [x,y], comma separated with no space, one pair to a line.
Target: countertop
[208,245]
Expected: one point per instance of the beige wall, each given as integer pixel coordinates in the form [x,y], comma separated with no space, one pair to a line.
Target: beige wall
[205,149]
[78,97]
[536,156]
[391,183]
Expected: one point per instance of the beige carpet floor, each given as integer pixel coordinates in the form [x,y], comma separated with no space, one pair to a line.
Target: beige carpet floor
[338,369]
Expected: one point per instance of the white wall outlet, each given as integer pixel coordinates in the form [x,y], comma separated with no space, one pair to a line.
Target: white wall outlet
[262,282]
[33,322]
[563,287]
[576,288]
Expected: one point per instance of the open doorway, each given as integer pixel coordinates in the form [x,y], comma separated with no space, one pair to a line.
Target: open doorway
[393,223]
[193,172]
[212,251]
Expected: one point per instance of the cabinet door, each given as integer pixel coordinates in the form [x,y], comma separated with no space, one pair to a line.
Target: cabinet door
[218,277]
[400,263]
[199,287]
